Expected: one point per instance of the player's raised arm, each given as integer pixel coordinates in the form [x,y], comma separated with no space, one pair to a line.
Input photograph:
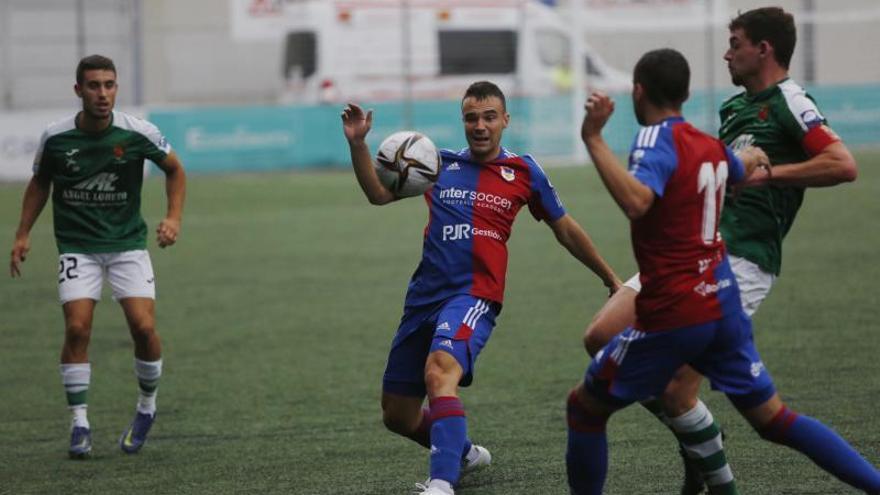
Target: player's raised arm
[633,197]
[575,239]
[175,190]
[356,125]
[35,197]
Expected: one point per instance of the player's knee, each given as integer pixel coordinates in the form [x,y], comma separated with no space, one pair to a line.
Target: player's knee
[144,328]
[582,413]
[441,377]
[78,331]
[594,339]
[435,380]
[680,395]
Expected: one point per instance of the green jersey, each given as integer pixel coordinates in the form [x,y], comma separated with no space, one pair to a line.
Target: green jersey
[784,122]
[96,181]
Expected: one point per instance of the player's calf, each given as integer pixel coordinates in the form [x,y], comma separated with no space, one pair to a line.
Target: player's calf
[586,455]
[823,446]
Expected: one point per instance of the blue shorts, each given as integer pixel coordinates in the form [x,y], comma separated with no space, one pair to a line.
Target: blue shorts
[638,365]
[460,326]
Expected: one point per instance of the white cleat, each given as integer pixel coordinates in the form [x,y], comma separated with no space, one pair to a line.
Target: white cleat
[478,458]
[433,489]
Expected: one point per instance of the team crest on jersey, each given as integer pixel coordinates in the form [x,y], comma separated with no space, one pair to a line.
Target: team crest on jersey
[763,113]
[508,174]
[118,152]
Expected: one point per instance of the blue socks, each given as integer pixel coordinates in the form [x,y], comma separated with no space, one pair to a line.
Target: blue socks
[586,458]
[825,447]
[422,435]
[448,438]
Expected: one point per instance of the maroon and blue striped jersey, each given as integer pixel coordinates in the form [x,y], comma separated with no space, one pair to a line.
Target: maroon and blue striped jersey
[471,211]
[686,278]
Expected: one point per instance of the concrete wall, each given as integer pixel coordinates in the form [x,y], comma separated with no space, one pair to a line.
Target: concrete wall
[843,45]
[190,57]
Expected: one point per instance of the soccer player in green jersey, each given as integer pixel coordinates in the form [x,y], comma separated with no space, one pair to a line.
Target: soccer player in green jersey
[93,165]
[778,116]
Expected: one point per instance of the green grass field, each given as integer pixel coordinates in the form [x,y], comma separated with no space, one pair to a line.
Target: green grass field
[277,307]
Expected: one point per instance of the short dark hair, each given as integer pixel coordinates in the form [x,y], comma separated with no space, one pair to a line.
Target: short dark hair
[770,24]
[665,76]
[93,62]
[483,90]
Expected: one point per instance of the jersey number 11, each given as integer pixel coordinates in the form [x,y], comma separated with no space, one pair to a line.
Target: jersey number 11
[711,182]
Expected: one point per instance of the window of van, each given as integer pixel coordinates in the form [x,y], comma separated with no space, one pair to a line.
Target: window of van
[477,52]
[300,54]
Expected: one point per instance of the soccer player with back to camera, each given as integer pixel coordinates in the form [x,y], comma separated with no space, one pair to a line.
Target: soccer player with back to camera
[689,310]
[457,290]
[777,115]
[93,165]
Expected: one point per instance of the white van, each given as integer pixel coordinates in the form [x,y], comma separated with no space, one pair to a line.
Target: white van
[367,50]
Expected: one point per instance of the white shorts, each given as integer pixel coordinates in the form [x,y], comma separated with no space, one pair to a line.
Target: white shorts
[754,283]
[81,276]
[634,283]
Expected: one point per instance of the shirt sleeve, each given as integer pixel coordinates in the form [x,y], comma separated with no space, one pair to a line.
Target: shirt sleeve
[155,146]
[41,168]
[808,125]
[544,203]
[653,160]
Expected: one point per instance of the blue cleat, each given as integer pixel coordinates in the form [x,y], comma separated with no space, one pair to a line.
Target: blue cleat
[80,443]
[136,435]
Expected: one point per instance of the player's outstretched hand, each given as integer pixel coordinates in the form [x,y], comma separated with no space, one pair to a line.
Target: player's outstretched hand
[599,108]
[355,123]
[166,233]
[757,165]
[20,248]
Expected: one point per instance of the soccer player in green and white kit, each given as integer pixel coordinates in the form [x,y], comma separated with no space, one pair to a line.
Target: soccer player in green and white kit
[93,165]
[778,116]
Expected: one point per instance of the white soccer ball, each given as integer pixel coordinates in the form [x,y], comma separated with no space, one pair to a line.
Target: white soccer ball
[407,163]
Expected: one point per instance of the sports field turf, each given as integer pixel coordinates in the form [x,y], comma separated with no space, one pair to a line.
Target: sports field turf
[277,308]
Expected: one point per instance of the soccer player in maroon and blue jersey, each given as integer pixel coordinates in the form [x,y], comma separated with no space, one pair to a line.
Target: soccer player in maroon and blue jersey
[457,290]
[688,311]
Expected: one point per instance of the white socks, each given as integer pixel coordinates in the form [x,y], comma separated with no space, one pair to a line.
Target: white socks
[76,378]
[148,373]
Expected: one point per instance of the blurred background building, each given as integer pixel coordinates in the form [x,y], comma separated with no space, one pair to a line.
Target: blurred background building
[258,84]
